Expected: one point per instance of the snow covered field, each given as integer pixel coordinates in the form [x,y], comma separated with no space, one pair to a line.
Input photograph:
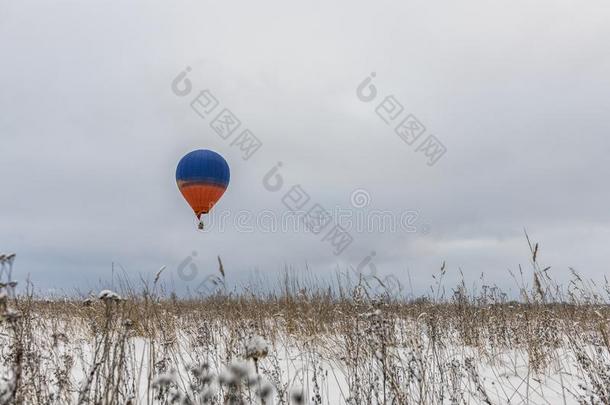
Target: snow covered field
[313,349]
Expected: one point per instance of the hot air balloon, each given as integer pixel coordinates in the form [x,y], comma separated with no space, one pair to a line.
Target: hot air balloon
[202,177]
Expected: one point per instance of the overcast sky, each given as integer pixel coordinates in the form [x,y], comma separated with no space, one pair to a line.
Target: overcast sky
[517,92]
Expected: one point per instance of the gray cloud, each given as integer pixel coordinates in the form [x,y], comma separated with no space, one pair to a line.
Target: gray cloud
[91,133]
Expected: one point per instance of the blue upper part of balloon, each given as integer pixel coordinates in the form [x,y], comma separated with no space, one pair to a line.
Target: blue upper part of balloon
[203,167]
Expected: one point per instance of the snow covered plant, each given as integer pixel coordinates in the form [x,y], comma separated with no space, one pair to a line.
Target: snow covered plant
[201,390]
[7,385]
[9,378]
[108,295]
[166,388]
[256,348]
[3,301]
[237,385]
[244,387]
[297,395]
[7,288]
[7,313]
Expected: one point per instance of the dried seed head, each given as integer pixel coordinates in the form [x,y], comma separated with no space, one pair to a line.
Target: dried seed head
[107,295]
[265,391]
[257,348]
[164,380]
[297,396]
[239,369]
[226,378]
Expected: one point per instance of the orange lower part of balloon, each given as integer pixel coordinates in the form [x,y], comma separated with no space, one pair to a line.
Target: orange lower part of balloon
[201,197]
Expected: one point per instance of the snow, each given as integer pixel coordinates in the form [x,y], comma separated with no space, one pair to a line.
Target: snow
[109,295]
